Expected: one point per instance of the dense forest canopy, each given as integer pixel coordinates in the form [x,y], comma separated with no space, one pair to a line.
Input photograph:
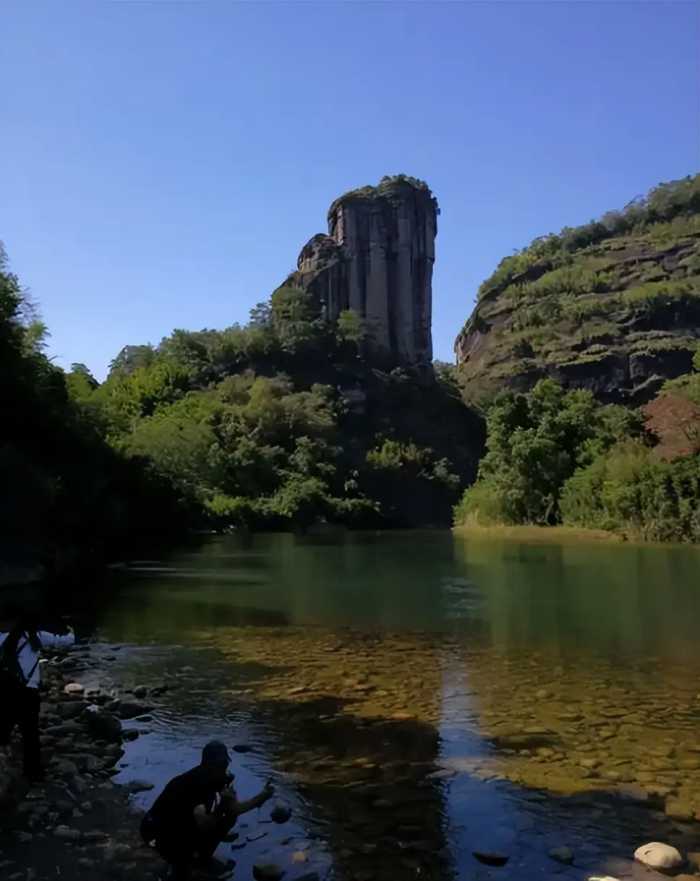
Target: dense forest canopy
[556,456]
[287,421]
[67,494]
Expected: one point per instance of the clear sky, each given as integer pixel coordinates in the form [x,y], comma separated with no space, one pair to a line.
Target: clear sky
[164,162]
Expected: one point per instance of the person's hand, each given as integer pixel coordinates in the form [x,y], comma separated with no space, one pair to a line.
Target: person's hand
[228,795]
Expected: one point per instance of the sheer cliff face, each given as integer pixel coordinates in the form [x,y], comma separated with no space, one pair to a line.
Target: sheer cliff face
[377,259]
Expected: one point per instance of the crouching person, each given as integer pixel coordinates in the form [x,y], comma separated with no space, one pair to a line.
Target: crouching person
[195,812]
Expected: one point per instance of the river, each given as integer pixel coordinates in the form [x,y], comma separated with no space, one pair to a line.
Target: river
[419,696]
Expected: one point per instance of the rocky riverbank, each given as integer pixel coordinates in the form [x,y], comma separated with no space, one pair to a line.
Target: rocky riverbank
[77,825]
[377,761]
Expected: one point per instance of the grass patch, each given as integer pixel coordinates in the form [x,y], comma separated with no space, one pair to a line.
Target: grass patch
[538,534]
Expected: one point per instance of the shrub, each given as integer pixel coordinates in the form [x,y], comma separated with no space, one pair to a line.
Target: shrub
[628,490]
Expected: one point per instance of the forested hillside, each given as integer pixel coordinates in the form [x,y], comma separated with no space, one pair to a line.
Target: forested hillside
[612,306]
[69,499]
[288,421]
[584,351]
[283,423]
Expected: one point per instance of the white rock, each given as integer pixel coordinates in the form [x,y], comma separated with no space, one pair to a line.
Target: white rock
[602,878]
[66,833]
[74,688]
[659,856]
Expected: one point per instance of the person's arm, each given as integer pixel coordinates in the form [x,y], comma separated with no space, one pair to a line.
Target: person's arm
[56,640]
[230,803]
[228,810]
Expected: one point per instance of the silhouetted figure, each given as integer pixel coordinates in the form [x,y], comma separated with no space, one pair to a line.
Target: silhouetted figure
[195,811]
[19,684]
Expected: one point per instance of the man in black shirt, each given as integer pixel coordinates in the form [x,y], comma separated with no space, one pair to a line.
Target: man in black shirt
[195,811]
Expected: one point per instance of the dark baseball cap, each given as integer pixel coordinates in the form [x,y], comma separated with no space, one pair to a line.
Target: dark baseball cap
[215,752]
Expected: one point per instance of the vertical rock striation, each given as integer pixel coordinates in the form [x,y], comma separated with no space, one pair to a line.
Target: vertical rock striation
[377,259]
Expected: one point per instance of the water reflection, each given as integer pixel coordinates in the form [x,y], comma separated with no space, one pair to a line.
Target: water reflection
[420,696]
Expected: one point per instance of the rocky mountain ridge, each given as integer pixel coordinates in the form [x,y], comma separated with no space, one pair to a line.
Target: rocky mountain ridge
[613,306]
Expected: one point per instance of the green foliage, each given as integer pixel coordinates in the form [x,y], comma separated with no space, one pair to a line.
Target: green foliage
[181,449]
[67,497]
[629,490]
[570,279]
[664,204]
[653,298]
[387,188]
[300,500]
[407,479]
[687,386]
[277,424]
[127,397]
[132,357]
[351,328]
[295,318]
[559,457]
[534,444]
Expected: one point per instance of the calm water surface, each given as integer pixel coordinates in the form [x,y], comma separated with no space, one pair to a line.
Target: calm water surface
[419,696]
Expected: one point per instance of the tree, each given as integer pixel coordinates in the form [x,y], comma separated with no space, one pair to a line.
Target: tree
[295,318]
[189,351]
[130,358]
[410,482]
[261,315]
[81,384]
[351,328]
[301,500]
[534,443]
[628,489]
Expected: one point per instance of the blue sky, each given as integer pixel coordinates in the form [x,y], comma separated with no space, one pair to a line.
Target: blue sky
[165,162]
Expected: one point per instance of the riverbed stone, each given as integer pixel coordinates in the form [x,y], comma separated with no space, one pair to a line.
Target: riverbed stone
[66,833]
[267,872]
[490,857]
[677,809]
[280,813]
[657,855]
[562,855]
[693,859]
[105,726]
[136,786]
[73,688]
[130,709]
[71,709]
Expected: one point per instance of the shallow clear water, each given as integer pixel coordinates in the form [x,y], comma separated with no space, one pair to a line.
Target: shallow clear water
[419,696]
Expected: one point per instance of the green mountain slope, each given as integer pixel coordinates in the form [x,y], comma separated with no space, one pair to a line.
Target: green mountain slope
[612,306]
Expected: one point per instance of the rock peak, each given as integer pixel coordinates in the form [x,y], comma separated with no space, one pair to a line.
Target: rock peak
[377,259]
